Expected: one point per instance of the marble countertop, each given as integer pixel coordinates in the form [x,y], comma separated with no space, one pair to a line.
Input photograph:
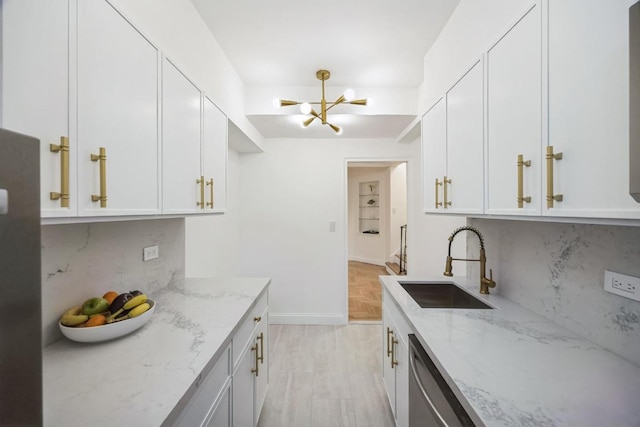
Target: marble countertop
[138,379]
[512,367]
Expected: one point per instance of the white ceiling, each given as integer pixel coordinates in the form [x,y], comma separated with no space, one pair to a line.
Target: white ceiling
[364,44]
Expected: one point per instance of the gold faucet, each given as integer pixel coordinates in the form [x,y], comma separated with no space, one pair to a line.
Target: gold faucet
[485,283]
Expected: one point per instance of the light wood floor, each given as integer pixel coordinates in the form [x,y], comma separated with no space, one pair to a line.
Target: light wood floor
[365,291]
[326,376]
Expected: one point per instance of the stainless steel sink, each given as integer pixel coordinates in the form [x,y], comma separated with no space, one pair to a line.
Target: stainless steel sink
[441,295]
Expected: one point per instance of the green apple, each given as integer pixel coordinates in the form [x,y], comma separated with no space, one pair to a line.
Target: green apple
[94,306]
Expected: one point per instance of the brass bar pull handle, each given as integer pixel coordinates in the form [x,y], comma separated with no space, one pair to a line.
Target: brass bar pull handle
[63,149]
[446,197]
[255,370]
[438,183]
[389,333]
[102,158]
[521,165]
[394,362]
[261,338]
[200,181]
[550,158]
[210,183]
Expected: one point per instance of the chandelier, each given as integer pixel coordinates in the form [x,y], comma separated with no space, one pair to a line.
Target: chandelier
[305,107]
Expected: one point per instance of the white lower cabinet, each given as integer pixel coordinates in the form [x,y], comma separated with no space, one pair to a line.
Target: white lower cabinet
[210,404]
[251,373]
[231,393]
[395,361]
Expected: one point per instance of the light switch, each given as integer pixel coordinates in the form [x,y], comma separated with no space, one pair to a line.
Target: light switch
[149,253]
[4,202]
[332,226]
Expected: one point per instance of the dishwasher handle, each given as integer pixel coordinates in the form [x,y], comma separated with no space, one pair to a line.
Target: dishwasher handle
[414,372]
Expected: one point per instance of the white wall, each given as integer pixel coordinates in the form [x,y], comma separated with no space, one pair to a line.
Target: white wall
[369,248]
[398,208]
[212,240]
[289,194]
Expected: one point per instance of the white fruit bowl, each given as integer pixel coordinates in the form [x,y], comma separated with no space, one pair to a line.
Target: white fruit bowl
[109,331]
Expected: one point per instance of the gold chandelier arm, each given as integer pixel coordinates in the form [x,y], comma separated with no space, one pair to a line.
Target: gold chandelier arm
[359,101]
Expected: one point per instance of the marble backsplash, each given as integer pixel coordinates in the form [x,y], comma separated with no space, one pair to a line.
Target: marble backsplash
[557,271]
[80,261]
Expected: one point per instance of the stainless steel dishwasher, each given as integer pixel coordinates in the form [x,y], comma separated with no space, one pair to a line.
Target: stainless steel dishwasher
[431,401]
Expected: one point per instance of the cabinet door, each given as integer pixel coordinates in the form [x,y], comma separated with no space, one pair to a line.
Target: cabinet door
[434,156]
[388,371]
[514,117]
[243,388]
[35,88]
[465,142]
[181,101]
[117,101]
[262,379]
[589,107]
[402,385]
[214,156]
[221,414]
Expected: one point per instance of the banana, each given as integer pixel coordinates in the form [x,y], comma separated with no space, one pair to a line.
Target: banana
[135,301]
[73,317]
[139,309]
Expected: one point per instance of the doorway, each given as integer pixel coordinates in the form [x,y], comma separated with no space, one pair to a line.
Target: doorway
[376,213]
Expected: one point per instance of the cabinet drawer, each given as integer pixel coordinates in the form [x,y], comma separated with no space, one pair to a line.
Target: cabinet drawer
[256,315]
[207,392]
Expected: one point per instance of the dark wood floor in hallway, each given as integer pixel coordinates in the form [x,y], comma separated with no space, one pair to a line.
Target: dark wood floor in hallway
[365,291]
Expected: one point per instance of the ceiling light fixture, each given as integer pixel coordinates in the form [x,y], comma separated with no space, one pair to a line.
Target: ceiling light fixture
[305,107]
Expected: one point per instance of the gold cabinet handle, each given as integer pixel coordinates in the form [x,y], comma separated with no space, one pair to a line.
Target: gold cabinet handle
[394,362]
[438,183]
[63,149]
[521,165]
[550,158]
[389,333]
[102,158]
[261,338]
[255,370]
[200,181]
[257,319]
[210,184]
[446,198]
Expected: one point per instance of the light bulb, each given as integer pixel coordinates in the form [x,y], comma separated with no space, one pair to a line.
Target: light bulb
[349,94]
[276,102]
[370,102]
[305,108]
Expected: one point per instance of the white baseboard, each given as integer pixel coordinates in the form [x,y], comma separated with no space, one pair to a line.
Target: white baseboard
[307,319]
[368,260]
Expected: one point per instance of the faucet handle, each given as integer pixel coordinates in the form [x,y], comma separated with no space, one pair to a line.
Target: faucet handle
[492,283]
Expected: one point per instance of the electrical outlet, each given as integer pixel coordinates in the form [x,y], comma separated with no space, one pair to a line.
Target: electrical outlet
[149,253]
[332,226]
[621,284]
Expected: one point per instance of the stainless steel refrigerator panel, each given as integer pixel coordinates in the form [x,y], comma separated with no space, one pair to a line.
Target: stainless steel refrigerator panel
[20,282]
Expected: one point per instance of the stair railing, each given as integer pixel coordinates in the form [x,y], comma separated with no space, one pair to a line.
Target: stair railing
[403,249]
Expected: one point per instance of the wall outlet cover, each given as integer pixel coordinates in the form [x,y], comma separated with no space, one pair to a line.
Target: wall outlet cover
[621,284]
[150,252]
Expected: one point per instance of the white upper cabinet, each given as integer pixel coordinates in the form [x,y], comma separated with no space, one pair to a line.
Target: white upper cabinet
[514,118]
[214,156]
[434,156]
[117,95]
[465,143]
[589,108]
[183,184]
[35,93]
[452,147]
